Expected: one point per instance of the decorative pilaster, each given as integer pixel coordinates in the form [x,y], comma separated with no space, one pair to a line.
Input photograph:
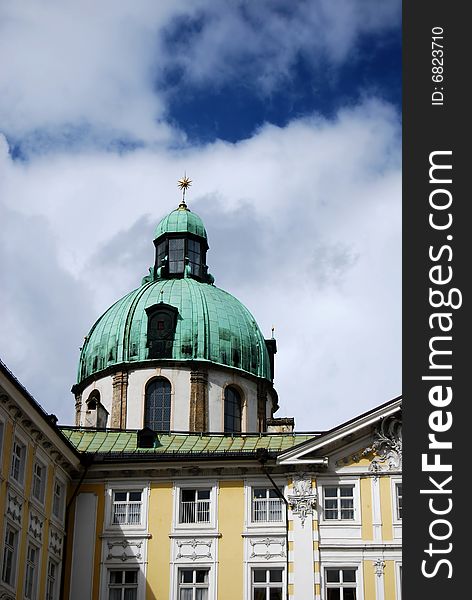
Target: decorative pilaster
[120,394]
[198,401]
[261,406]
[78,408]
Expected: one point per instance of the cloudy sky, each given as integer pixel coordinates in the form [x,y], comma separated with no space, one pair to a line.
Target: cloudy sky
[286,115]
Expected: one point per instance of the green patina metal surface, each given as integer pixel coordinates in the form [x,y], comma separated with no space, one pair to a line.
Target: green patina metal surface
[180,443]
[181,221]
[212,325]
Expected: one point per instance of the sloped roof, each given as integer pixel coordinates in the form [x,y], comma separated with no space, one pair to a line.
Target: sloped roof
[114,442]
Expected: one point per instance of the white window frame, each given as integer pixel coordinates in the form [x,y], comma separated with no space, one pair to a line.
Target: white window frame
[59,517]
[126,486]
[340,482]
[192,485]
[18,442]
[249,487]
[193,567]
[57,580]
[127,504]
[357,567]
[135,568]
[395,482]
[266,567]
[36,566]
[14,569]
[42,483]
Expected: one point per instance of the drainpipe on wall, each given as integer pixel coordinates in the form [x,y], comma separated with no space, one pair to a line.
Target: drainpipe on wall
[88,463]
[262,456]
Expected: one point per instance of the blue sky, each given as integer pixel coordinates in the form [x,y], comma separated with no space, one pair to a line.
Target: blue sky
[286,116]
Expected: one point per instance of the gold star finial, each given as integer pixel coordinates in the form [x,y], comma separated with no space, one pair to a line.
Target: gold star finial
[184,183]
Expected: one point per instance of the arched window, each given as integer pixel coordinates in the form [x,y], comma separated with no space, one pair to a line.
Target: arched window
[157,405]
[233,410]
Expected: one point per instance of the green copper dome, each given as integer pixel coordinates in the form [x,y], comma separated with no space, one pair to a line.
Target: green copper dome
[181,220]
[211,325]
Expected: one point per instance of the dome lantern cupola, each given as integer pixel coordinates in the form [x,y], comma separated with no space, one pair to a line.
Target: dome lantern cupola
[181,244]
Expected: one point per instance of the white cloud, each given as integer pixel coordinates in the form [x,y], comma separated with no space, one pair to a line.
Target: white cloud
[94,70]
[304,228]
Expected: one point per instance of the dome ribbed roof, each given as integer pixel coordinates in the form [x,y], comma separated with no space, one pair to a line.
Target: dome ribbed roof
[181,220]
[212,325]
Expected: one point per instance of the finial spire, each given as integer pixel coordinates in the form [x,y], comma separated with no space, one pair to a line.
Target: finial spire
[184,183]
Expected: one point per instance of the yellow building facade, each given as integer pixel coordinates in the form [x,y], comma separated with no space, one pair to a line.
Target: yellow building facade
[177,481]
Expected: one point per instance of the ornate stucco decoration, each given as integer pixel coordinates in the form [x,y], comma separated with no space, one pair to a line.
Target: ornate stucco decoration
[302,500]
[379,566]
[14,507]
[387,446]
[55,542]
[194,545]
[35,527]
[268,553]
[125,544]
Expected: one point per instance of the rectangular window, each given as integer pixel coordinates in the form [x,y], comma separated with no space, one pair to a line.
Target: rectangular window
[51,581]
[267,584]
[194,506]
[193,584]
[341,584]
[176,255]
[127,507]
[266,506]
[193,251]
[32,556]
[398,499]
[18,461]
[123,584]
[338,502]
[39,480]
[58,500]
[9,555]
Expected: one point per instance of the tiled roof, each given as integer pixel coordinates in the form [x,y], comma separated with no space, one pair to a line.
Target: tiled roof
[125,442]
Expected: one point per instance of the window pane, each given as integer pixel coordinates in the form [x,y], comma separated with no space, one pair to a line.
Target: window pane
[201,594]
[347,491]
[116,576]
[114,594]
[201,576]
[135,496]
[329,492]
[347,503]
[332,575]
[275,575]
[186,594]
[203,494]
[260,576]
[275,594]
[131,577]
[188,495]
[259,492]
[330,504]
[259,594]
[186,576]
[131,594]
[349,594]
[333,594]
[120,496]
[349,575]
